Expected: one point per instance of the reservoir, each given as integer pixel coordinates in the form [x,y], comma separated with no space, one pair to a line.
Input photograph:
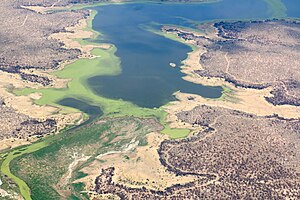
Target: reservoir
[92,111]
[147,79]
[293,8]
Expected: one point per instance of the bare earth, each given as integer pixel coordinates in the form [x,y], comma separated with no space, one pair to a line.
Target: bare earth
[30,68]
[244,145]
[257,55]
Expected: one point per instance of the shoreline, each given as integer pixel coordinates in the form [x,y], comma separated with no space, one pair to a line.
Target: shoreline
[172,108]
[237,98]
[65,71]
[109,108]
[36,145]
[25,104]
[88,48]
[49,9]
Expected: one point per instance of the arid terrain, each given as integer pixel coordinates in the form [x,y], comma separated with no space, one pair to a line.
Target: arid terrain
[243,145]
[25,40]
[238,155]
[33,44]
[27,51]
[256,54]
[232,154]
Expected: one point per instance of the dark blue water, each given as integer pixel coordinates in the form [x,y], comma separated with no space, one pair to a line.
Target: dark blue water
[92,111]
[147,79]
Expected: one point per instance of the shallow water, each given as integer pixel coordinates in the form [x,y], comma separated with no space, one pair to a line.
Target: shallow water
[92,111]
[147,78]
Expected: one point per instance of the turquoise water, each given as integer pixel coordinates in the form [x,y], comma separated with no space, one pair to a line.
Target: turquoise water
[147,79]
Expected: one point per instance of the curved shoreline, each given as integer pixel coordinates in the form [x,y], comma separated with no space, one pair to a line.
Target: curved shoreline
[109,106]
[5,168]
[109,111]
[78,88]
[234,97]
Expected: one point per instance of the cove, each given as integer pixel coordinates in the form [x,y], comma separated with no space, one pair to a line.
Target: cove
[146,78]
[83,69]
[92,111]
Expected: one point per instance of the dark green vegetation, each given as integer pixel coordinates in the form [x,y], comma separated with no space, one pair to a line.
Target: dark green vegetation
[8,185]
[46,163]
[45,171]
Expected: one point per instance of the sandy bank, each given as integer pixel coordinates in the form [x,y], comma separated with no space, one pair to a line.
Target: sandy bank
[142,169]
[24,104]
[71,38]
[242,99]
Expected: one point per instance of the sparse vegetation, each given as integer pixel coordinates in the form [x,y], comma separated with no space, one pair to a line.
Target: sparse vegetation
[45,170]
[237,155]
[240,54]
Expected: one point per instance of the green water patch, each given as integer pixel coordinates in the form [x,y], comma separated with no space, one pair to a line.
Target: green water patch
[277,8]
[176,133]
[77,96]
[44,168]
[104,63]
[6,167]
[40,166]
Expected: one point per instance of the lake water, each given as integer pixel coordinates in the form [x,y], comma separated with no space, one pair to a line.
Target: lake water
[293,8]
[92,111]
[147,78]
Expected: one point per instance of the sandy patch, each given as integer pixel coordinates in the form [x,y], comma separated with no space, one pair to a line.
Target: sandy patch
[24,104]
[78,32]
[250,101]
[44,10]
[246,100]
[13,142]
[143,168]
